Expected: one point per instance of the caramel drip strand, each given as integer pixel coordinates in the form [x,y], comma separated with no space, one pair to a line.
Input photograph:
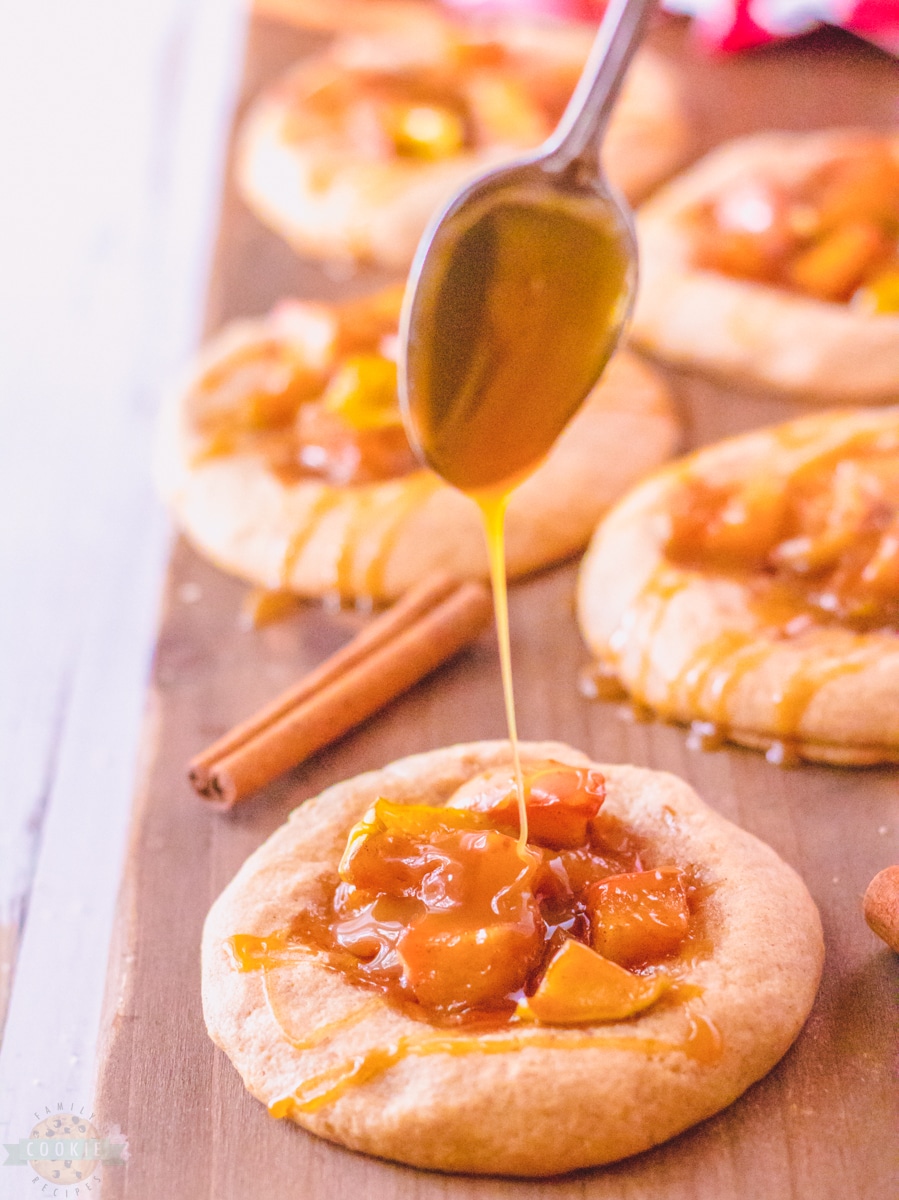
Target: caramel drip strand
[703,1044]
[324,502]
[249,953]
[792,703]
[713,664]
[493,506]
[380,523]
[662,585]
[413,495]
[323,1032]
[598,681]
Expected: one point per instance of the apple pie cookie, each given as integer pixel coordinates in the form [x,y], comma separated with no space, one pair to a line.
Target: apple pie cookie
[351,153]
[395,970]
[753,589]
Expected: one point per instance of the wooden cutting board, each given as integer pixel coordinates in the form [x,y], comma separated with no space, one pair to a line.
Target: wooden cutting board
[821,1126]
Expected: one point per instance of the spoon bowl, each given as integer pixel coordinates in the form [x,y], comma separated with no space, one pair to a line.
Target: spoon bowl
[520,290]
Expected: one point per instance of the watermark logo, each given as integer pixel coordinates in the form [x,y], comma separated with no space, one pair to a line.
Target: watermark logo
[65,1151]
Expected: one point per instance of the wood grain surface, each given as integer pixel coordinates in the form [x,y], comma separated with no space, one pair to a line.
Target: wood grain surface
[821,1126]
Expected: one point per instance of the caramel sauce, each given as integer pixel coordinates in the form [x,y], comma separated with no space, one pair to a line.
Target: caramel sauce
[598,681]
[660,588]
[493,514]
[327,500]
[265,606]
[377,524]
[705,735]
[702,1044]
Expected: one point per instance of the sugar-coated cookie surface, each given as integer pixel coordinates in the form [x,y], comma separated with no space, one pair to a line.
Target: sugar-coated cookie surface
[352,152]
[749,329]
[551,1099]
[751,588]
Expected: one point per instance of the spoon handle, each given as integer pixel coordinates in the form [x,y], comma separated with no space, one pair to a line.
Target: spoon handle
[579,132]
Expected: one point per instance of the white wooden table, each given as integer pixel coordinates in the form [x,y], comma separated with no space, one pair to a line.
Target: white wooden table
[113,119]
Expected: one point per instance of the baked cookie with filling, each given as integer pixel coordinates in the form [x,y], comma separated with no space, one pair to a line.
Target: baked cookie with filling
[352,152]
[284,460]
[775,260]
[395,971]
[753,588]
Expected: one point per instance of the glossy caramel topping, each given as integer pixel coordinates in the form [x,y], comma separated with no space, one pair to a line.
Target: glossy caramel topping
[438,910]
[317,399]
[818,545]
[702,1043]
[833,237]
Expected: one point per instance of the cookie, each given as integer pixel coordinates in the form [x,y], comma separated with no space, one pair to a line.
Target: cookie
[351,153]
[751,588]
[526,1095]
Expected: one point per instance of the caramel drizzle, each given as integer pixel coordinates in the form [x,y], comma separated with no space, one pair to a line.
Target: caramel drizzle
[324,502]
[415,492]
[384,521]
[249,953]
[791,705]
[663,584]
[707,685]
[324,1032]
[703,1044]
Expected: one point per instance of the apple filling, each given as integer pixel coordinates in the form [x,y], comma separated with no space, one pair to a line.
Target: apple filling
[315,399]
[835,237]
[819,544]
[481,97]
[445,911]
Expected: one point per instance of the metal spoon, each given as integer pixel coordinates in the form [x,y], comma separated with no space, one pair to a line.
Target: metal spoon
[520,288]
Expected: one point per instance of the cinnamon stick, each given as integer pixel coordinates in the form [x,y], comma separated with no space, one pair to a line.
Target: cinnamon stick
[430,624]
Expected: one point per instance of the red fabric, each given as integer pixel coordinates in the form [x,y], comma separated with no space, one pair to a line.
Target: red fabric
[729,25]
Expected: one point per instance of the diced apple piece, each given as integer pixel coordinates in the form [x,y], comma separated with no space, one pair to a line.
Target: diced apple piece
[834,266]
[738,525]
[503,111]
[880,294]
[443,856]
[746,231]
[363,392]
[364,323]
[860,185]
[426,131]
[580,987]
[445,965]
[560,800]
[640,916]
[259,386]
[388,849]
[881,572]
